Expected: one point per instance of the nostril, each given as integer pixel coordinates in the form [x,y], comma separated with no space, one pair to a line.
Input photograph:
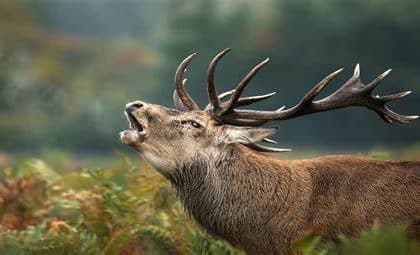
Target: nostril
[137,105]
[133,106]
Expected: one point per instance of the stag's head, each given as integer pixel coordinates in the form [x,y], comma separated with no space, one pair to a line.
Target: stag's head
[168,138]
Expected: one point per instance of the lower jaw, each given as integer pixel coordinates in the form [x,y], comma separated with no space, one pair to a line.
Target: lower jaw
[132,137]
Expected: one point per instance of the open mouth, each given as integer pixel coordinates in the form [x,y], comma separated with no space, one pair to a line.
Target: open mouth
[133,123]
[137,132]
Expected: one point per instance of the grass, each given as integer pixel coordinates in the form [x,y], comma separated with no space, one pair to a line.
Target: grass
[52,207]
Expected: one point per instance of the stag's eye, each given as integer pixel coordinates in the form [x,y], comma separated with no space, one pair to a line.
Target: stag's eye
[195,124]
[191,123]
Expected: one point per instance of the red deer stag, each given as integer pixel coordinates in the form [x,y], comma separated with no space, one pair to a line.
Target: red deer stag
[257,202]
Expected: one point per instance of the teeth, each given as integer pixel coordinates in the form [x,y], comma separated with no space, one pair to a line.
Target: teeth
[133,123]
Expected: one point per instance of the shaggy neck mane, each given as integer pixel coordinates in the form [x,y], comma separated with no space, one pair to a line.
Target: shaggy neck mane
[216,191]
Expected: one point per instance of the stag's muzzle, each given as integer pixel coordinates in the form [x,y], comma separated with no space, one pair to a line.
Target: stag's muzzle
[138,126]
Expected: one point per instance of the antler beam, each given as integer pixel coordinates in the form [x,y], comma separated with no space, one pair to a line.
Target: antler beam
[241,86]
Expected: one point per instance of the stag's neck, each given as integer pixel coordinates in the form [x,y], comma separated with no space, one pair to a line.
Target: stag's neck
[217,191]
[204,175]
[204,172]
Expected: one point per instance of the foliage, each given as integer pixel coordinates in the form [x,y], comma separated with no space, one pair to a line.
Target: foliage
[125,210]
[379,240]
[117,210]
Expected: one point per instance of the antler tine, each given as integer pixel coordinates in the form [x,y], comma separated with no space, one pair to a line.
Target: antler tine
[319,87]
[243,101]
[242,84]
[352,93]
[268,140]
[211,88]
[226,94]
[180,91]
[356,72]
[177,101]
[372,85]
[262,148]
[393,97]
[389,116]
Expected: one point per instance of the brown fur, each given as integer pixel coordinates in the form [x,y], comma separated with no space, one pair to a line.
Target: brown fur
[261,203]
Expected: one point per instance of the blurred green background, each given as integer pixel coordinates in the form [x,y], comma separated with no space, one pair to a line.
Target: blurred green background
[67,68]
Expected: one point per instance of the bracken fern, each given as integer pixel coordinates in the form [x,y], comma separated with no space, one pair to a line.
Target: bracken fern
[127,211]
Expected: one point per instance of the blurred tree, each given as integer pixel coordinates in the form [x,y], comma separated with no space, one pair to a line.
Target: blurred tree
[67,68]
[59,89]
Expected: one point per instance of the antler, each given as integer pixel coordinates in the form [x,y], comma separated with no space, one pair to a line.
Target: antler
[211,88]
[352,93]
[182,99]
[184,102]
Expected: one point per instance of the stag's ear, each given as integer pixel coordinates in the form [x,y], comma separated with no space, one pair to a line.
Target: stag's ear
[244,135]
